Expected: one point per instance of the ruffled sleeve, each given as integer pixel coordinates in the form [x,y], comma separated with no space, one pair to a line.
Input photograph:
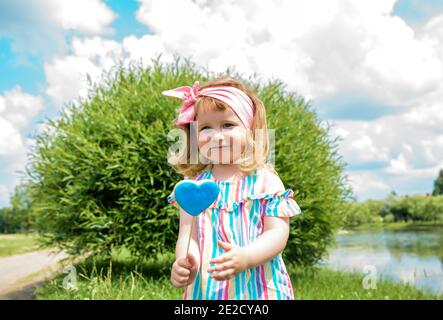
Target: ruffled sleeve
[279,204]
[172,201]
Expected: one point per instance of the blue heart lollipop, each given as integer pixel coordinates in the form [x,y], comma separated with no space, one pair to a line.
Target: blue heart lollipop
[196,196]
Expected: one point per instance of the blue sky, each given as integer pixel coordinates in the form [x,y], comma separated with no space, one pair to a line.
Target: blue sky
[27,69]
[417,11]
[385,114]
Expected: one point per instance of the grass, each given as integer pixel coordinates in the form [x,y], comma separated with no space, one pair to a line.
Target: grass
[320,283]
[11,244]
[123,277]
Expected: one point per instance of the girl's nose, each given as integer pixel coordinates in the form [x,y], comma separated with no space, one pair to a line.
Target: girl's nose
[219,135]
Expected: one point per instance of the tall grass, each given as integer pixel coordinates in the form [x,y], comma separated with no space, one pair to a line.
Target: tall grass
[121,277]
[124,277]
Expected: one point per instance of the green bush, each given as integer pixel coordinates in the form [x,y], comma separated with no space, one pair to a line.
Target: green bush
[100,175]
[367,212]
[416,208]
[437,204]
[424,208]
[389,218]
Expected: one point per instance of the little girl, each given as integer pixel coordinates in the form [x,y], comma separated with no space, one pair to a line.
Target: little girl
[236,243]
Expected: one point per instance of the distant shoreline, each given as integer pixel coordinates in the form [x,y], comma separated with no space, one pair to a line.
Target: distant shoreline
[389,226]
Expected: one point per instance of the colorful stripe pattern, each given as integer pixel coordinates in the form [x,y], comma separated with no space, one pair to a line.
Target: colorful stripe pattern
[237,217]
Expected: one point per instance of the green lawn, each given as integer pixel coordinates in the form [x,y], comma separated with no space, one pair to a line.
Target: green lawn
[125,278]
[11,244]
[325,284]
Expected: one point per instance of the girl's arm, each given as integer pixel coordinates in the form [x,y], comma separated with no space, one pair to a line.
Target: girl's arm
[270,243]
[275,229]
[183,236]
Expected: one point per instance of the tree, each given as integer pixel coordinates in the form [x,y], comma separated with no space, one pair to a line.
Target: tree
[438,184]
[99,176]
[4,220]
[21,212]
[18,217]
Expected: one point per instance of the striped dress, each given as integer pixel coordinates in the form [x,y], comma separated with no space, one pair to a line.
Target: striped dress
[237,217]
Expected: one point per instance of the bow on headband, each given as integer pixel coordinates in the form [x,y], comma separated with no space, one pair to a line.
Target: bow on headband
[239,101]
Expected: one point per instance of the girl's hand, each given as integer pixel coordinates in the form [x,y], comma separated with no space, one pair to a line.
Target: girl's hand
[233,261]
[184,271]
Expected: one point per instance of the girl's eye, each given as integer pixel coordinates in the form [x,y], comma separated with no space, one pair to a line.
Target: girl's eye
[226,125]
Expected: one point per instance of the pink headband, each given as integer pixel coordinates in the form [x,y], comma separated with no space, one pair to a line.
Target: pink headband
[239,102]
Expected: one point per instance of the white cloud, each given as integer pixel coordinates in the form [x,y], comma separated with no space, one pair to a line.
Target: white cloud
[427,113]
[368,185]
[317,47]
[91,57]
[365,147]
[17,109]
[67,76]
[10,138]
[362,141]
[144,48]
[392,140]
[86,16]
[434,29]
[20,160]
[407,156]
[399,165]
[15,167]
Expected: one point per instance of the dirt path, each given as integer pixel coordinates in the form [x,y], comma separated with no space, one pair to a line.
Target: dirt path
[21,274]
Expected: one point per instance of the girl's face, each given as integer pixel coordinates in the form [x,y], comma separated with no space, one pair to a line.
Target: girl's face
[221,136]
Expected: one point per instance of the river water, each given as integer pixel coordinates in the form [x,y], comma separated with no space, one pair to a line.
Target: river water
[413,255]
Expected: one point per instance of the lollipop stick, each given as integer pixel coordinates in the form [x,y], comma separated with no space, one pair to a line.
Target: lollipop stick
[189,240]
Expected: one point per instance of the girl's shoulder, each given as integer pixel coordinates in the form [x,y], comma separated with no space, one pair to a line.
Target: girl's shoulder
[271,182]
[276,200]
